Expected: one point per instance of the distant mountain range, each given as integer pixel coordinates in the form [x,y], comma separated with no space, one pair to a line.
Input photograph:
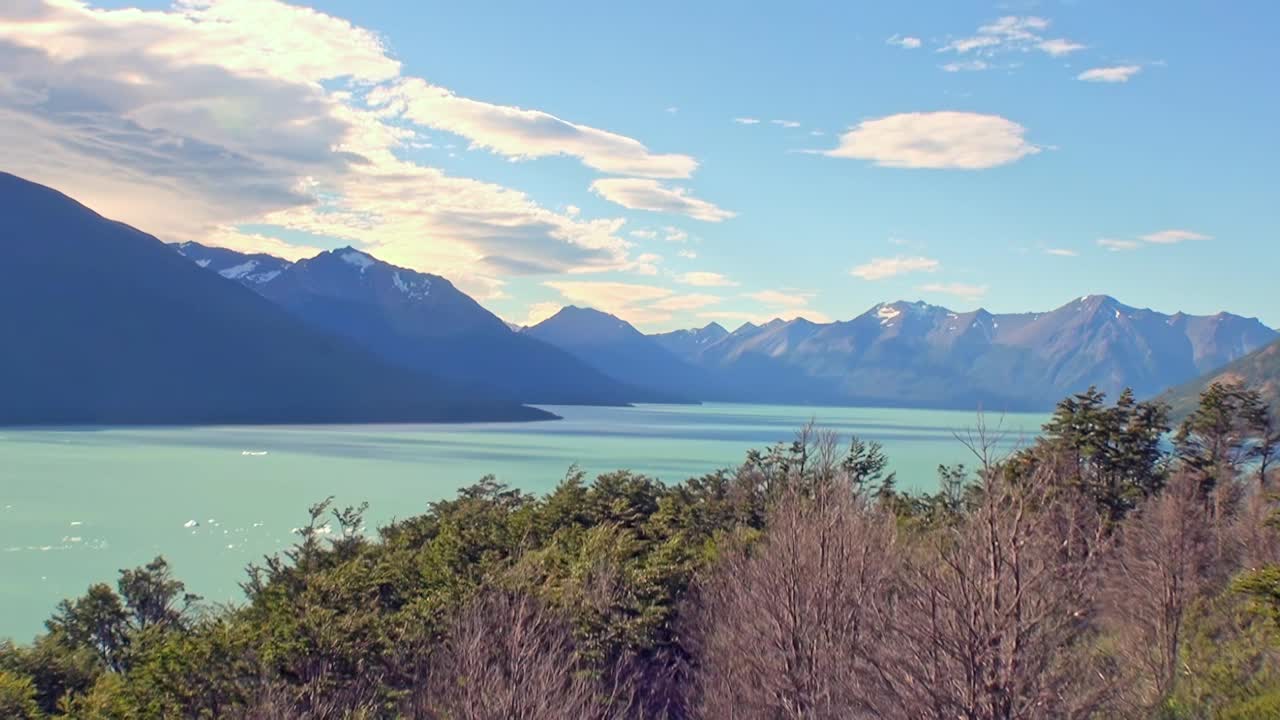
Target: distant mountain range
[1259,369]
[915,354]
[422,322]
[116,327]
[105,324]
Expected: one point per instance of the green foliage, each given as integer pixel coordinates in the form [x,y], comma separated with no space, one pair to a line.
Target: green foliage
[1111,452]
[18,697]
[343,624]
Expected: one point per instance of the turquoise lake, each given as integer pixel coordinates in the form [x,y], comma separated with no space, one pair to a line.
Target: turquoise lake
[76,505]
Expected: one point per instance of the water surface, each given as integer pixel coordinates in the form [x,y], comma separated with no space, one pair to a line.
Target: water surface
[78,504]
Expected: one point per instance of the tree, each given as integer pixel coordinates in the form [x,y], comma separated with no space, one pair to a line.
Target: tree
[995,617]
[1230,428]
[1112,454]
[507,656]
[1163,563]
[18,697]
[788,629]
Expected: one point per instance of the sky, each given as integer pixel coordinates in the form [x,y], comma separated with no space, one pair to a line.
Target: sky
[677,163]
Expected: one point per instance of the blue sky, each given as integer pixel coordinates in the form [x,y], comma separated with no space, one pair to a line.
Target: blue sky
[1005,155]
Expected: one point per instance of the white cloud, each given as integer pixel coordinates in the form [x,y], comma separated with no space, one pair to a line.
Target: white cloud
[1118,245]
[540,311]
[1060,46]
[1171,237]
[519,133]
[786,123]
[706,279]
[881,268]
[194,121]
[651,195]
[747,120]
[1115,74]
[954,140]
[960,290]
[684,303]
[673,110]
[906,42]
[643,234]
[965,66]
[1162,237]
[635,303]
[1061,252]
[687,254]
[674,234]
[791,299]
[1012,34]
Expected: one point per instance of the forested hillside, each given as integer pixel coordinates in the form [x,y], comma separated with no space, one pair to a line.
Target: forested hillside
[1090,574]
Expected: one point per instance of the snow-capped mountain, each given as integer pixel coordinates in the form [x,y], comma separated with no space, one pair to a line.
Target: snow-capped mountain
[117,328]
[916,353]
[421,321]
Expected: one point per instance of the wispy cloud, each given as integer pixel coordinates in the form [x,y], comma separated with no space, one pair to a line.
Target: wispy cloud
[1012,33]
[1060,46]
[1061,252]
[1114,74]
[1118,244]
[791,299]
[907,42]
[881,268]
[687,254]
[786,123]
[706,279]
[1172,237]
[197,121]
[1161,237]
[945,140]
[520,134]
[636,303]
[747,120]
[651,195]
[960,290]
[965,66]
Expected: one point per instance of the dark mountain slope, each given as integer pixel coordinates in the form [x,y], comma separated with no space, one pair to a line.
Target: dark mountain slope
[614,346]
[420,321]
[105,324]
[1259,370]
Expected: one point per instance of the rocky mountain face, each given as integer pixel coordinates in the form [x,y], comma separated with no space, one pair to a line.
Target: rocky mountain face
[107,325]
[1259,369]
[421,321]
[918,354]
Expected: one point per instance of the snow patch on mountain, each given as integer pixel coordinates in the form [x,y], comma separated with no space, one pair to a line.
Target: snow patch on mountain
[235,272]
[358,259]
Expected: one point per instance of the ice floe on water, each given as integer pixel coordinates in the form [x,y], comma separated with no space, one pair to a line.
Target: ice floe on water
[253,453]
[191,524]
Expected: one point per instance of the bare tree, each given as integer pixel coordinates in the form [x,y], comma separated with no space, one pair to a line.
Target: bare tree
[507,656]
[995,615]
[784,630]
[1163,561]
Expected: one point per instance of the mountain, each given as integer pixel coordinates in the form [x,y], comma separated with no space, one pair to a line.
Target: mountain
[106,324]
[612,345]
[913,353]
[419,321]
[689,342]
[1259,369]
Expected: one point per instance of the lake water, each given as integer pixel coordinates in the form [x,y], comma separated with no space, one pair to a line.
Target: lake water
[77,505]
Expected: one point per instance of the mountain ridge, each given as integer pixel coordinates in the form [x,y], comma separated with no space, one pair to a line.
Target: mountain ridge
[422,321]
[118,329]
